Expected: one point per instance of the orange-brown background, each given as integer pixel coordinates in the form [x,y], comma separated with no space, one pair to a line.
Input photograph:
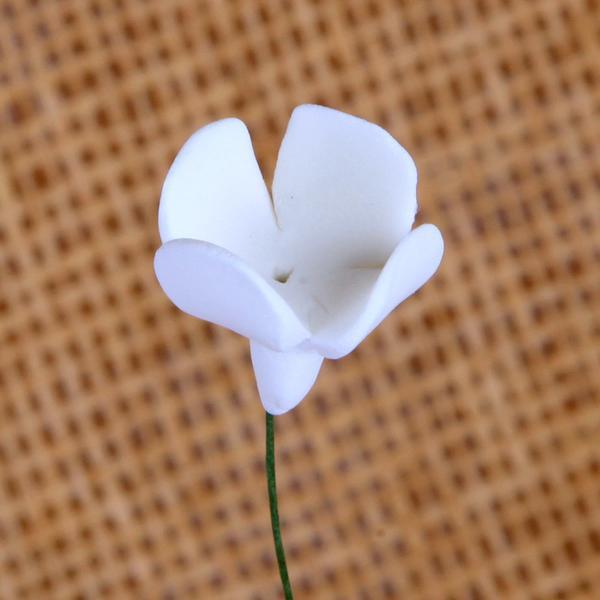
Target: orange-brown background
[455,454]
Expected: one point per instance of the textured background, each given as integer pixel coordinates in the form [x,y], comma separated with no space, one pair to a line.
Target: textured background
[454,455]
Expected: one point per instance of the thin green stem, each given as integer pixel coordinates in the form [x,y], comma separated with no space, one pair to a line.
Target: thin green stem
[272,487]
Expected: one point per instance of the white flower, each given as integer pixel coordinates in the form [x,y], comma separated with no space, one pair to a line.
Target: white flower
[311,274]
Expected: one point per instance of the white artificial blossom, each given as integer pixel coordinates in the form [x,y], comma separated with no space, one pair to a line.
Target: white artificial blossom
[310,274]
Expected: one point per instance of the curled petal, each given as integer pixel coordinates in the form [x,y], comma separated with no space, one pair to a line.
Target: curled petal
[283,378]
[210,283]
[214,192]
[413,262]
[344,189]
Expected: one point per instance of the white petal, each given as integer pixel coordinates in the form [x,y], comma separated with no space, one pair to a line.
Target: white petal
[344,190]
[413,262]
[214,191]
[210,283]
[283,378]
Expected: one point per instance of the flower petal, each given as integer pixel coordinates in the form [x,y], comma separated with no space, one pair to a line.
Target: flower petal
[214,191]
[413,262]
[283,378]
[331,295]
[344,190]
[210,283]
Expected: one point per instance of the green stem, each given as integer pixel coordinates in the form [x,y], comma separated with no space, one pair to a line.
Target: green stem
[272,487]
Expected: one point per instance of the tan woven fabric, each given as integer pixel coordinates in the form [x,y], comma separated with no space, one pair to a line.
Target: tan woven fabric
[454,455]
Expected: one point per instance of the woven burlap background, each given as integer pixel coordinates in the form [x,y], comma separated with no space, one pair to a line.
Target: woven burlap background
[454,455]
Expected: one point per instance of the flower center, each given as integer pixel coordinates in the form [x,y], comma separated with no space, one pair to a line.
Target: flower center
[282,275]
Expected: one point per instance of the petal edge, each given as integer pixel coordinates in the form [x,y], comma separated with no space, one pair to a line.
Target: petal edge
[411,265]
[211,283]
